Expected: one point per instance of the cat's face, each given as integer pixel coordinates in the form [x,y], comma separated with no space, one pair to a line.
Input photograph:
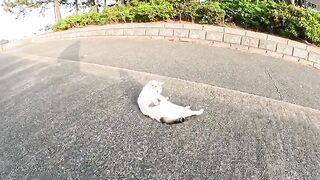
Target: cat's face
[155,86]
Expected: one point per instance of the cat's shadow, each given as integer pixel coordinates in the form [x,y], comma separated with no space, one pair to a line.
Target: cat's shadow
[131,88]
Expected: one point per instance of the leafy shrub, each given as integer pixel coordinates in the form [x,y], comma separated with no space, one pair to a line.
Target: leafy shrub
[92,18]
[273,16]
[286,20]
[209,13]
[248,13]
[67,23]
[119,13]
[154,10]
[311,25]
[184,9]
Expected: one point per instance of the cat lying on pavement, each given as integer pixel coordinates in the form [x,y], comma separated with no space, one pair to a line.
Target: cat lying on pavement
[158,107]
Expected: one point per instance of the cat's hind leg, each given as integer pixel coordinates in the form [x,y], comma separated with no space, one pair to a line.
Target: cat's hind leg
[155,102]
[197,113]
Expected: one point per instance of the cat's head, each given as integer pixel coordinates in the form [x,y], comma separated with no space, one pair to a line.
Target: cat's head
[155,86]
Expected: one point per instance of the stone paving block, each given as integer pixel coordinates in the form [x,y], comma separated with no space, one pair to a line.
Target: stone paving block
[234,31]
[214,36]
[154,25]
[297,44]
[313,49]
[139,31]
[181,33]
[84,34]
[305,62]
[230,38]
[268,45]
[121,26]
[192,26]
[114,32]
[135,32]
[256,35]
[197,34]
[173,25]
[249,41]
[316,65]
[277,39]
[284,49]
[297,52]
[137,25]
[166,32]
[152,31]
[213,28]
[315,57]
[96,33]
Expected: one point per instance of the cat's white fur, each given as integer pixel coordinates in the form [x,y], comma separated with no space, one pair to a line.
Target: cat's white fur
[156,106]
[150,96]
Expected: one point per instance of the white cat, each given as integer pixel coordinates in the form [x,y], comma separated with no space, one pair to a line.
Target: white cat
[164,111]
[150,96]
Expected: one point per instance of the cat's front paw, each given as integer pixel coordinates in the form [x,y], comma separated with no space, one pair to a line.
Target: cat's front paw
[156,102]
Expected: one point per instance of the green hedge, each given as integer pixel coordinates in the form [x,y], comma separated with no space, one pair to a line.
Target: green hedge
[209,13]
[275,17]
[270,16]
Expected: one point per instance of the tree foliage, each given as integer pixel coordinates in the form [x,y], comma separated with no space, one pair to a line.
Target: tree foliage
[22,7]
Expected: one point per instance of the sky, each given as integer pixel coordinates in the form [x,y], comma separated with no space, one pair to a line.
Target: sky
[30,25]
[14,29]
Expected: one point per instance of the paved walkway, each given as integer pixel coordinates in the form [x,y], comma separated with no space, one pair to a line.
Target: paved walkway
[68,109]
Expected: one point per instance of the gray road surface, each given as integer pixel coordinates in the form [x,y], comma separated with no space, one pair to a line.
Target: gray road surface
[68,109]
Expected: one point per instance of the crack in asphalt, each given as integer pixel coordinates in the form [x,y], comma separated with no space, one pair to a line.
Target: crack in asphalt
[274,84]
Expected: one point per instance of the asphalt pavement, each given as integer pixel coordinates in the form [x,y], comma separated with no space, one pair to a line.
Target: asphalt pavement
[68,110]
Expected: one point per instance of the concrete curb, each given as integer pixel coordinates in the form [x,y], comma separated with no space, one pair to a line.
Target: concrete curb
[10,45]
[244,40]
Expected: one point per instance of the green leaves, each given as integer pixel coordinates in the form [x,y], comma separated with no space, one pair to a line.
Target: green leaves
[209,13]
[184,9]
[311,24]
[154,10]
[275,17]
[21,7]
